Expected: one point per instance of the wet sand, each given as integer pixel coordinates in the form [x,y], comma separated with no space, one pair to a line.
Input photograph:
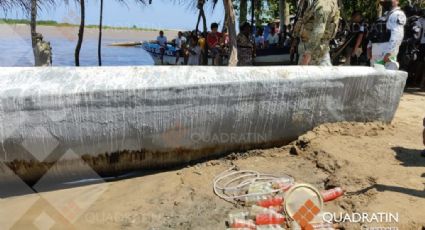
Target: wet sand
[379,166]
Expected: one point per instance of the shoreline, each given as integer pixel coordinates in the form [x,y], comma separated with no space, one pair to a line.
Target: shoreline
[56,24]
[22,31]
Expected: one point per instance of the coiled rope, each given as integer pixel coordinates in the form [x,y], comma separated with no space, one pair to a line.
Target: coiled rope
[233,186]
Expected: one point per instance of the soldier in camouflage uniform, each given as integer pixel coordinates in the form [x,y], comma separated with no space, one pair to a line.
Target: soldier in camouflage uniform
[43,51]
[316,27]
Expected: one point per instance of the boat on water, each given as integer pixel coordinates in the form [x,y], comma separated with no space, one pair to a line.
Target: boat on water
[269,56]
[169,57]
[127,44]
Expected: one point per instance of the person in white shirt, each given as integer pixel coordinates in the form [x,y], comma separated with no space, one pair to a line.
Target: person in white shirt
[180,43]
[384,50]
[273,38]
[162,42]
[259,39]
[194,51]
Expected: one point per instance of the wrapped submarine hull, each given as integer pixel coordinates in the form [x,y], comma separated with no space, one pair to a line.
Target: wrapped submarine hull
[114,119]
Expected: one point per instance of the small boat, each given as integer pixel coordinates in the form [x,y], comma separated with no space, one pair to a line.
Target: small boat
[169,57]
[269,56]
[129,44]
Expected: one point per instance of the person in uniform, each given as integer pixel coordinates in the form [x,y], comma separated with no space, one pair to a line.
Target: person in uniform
[387,35]
[245,45]
[316,27]
[43,51]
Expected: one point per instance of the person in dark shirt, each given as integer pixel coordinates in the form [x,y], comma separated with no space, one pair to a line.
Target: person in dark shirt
[245,45]
[357,29]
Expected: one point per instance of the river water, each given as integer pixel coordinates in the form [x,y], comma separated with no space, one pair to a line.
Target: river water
[18,52]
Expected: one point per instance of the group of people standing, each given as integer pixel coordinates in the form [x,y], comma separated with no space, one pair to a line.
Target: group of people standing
[189,51]
[395,41]
[319,25]
[316,25]
[191,46]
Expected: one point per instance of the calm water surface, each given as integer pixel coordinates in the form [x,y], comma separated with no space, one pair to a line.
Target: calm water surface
[18,52]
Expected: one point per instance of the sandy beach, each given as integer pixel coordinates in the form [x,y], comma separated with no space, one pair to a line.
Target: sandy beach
[378,165]
[71,33]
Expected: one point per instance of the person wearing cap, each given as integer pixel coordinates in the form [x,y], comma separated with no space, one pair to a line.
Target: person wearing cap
[387,35]
[317,26]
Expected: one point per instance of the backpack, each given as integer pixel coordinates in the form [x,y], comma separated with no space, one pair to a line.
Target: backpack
[413,29]
[379,32]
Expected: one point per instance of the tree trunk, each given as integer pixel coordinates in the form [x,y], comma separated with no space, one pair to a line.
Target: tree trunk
[231,25]
[205,32]
[226,18]
[287,13]
[258,8]
[99,45]
[282,15]
[80,34]
[197,23]
[33,25]
[243,11]
[379,10]
[252,13]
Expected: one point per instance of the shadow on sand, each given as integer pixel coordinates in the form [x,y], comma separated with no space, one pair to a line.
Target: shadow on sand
[409,157]
[415,91]
[383,188]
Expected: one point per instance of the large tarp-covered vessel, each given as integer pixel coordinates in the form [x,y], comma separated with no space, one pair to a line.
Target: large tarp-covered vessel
[115,119]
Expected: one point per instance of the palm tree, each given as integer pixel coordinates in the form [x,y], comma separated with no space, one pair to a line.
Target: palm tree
[33,26]
[6,5]
[243,11]
[80,32]
[283,13]
[99,45]
[31,7]
[231,25]
[200,5]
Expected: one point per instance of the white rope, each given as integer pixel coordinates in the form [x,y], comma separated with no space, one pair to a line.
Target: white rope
[237,183]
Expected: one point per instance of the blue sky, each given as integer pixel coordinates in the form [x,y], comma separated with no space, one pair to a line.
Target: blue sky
[160,15]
